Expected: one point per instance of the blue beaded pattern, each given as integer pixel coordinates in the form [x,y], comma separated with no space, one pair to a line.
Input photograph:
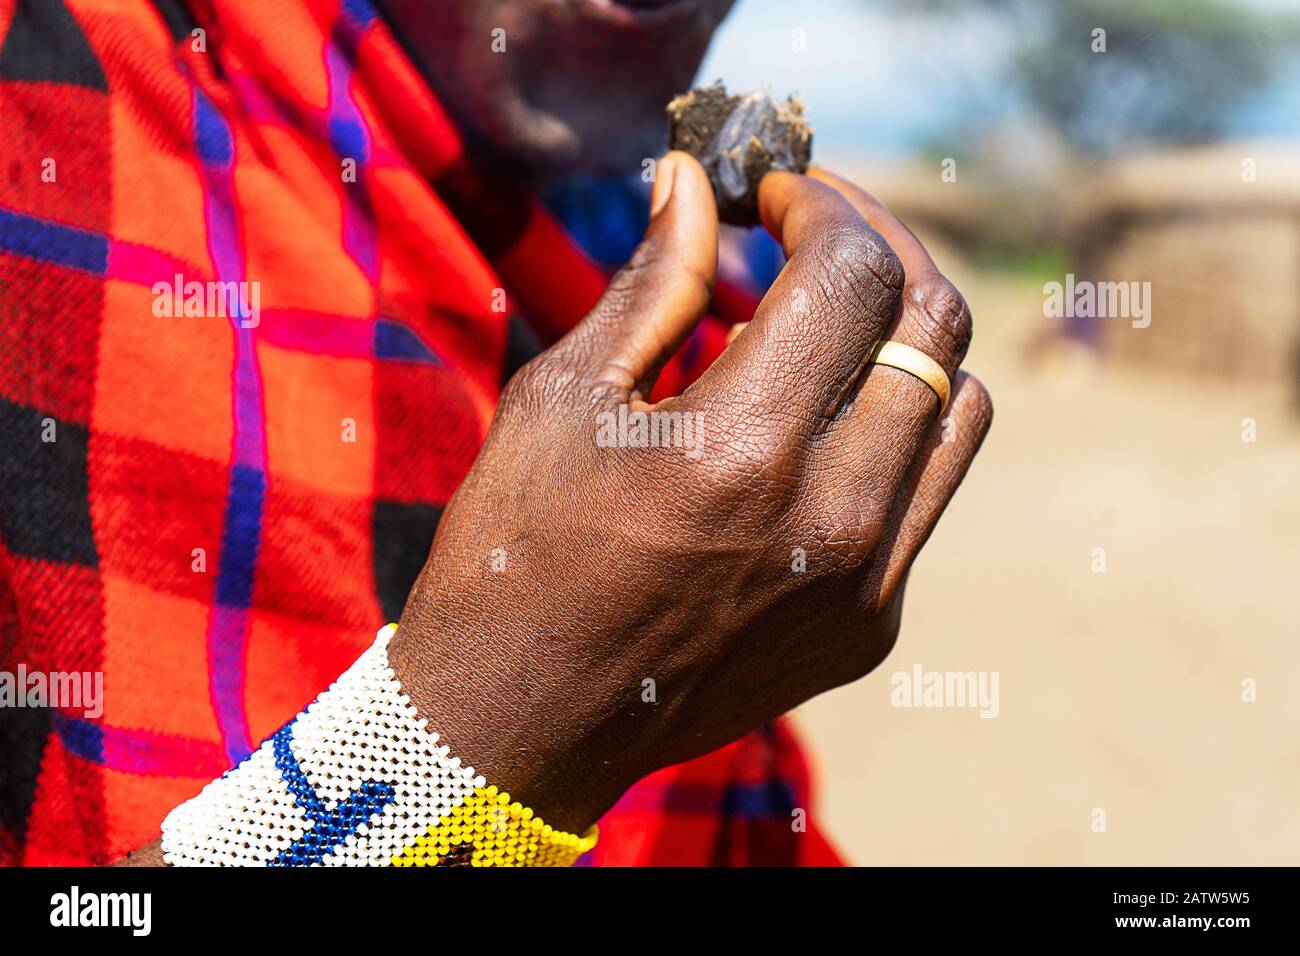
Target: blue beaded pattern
[330,828]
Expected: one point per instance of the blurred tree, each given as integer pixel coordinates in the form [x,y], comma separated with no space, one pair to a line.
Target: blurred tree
[1172,71]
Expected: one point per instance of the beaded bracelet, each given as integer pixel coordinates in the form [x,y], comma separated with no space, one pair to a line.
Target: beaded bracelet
[356,779]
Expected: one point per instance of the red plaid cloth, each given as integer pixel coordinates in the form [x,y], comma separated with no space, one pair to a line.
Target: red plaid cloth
[199,531]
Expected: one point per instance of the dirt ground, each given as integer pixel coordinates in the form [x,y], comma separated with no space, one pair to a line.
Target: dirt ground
[1119,690]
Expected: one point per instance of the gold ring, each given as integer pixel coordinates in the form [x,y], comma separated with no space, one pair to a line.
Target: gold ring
[913,362]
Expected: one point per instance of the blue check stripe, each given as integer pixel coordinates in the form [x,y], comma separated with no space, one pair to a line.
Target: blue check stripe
[53,242]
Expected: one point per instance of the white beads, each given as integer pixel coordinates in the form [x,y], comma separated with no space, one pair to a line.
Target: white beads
[352,781]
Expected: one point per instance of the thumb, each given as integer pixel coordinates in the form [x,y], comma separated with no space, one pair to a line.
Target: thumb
[653,302]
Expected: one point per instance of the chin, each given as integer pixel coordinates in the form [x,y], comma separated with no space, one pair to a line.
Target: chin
[582,147]
[581,85]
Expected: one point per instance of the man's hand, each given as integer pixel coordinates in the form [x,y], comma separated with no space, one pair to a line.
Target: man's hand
[566,576]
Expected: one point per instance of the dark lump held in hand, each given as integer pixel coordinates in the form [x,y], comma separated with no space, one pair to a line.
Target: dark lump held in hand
[738,138]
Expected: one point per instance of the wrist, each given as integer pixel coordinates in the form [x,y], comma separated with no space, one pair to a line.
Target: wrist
[491,702]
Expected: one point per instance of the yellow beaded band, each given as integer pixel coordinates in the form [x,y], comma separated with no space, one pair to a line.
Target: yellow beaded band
[487,829]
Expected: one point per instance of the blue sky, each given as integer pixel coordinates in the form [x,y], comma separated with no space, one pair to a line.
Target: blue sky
[880,81]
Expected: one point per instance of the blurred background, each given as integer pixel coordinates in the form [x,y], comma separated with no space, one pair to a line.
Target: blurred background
[1125,554]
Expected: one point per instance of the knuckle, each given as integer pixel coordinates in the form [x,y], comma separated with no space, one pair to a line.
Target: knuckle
[517,388]
[941,315]
[858,264]
[653,264]
[643,269]
[540,383]
[971,413]
[619,296]
[742,457]
[885,264]
[981,403]
[618,292]
[845,533]
[753,475]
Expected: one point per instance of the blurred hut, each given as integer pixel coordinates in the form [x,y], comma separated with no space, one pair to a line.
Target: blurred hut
[1216,231]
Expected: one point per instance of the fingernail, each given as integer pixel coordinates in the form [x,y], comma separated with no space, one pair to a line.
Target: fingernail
[665,173]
